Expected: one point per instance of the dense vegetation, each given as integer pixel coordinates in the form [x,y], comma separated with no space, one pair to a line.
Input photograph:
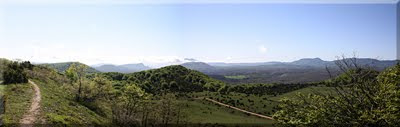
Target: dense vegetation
[3,65]
[361,97]
[14,72]
[169,79]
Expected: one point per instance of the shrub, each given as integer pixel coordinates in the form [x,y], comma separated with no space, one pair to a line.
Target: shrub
[14,73]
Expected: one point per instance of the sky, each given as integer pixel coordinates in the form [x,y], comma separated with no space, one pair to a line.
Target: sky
[162,33]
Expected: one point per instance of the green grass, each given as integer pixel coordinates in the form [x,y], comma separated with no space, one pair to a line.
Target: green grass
[204,112]
[236,76]
[58,106]
[319,89]
[18,100]
[2,87]
[258,104]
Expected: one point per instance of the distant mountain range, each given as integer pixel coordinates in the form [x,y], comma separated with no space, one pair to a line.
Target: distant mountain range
[126,68]
[303,70]
[61,67]
[315,62]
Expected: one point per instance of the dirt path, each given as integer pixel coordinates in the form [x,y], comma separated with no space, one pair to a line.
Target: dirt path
[251,113]
[29,117]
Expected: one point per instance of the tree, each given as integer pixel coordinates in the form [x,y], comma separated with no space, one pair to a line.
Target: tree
[170,111]
[77,74]
[127,106]
[359,97]
[14,73]
[97,88]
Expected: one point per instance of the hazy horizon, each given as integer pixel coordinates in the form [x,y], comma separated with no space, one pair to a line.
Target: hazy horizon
[158,34]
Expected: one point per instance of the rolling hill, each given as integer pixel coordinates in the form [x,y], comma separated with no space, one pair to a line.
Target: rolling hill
[61,67]
[175,78]
[200,66]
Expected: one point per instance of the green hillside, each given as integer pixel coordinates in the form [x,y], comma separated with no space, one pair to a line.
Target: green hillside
[169,79]
[58,102]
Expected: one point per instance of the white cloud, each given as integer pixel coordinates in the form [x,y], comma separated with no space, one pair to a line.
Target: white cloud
[262,49]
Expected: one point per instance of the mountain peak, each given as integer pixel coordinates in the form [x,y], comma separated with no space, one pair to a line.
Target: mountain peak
[310,62]
[311,59]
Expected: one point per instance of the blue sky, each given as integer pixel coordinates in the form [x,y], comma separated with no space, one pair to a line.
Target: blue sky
[168,33]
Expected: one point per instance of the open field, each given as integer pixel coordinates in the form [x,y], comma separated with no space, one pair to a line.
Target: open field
[236,76]
[202,111]
[254,103]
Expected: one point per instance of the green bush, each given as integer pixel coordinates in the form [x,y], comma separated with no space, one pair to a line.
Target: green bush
[14,73]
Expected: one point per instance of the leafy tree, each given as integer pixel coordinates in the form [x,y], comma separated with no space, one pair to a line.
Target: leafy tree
[77,74]
[127,106]
[3,65]
[27,65]
[97,88]
[169,111]
[14,73]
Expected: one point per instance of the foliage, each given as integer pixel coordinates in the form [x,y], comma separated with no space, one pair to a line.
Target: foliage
[98,88]
[126,107]
[133,107]
[3,65]
[58,105]
[169,79]
[389,95]
[359,99]
[14,73]
[77,74]
[169,111]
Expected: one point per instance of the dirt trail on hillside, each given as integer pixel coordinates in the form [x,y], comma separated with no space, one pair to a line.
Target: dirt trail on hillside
[251,113]
[29,117]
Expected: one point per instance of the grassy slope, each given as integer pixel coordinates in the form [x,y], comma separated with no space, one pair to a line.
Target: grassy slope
[258,104]
[202,111]
[17,102]
[2,87]
[58,106]
[320,89]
